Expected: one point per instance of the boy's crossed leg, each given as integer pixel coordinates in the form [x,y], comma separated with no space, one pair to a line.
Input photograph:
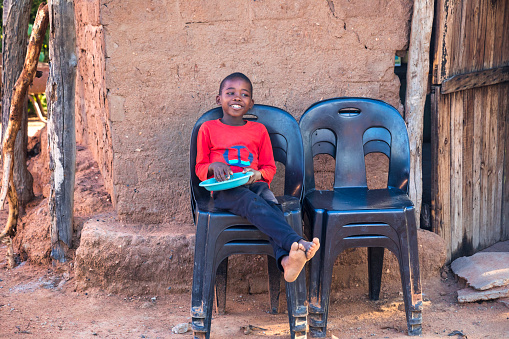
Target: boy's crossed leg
[269,219]
[300,253]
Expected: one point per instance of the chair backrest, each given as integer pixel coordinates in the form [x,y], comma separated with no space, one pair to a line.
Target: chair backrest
[286,142]
[350,128]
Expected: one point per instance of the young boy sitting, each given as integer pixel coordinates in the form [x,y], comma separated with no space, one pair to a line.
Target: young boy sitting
[232,144]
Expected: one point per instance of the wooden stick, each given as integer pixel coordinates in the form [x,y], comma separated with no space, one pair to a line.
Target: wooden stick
[15,115]
[417,85]
[60,92]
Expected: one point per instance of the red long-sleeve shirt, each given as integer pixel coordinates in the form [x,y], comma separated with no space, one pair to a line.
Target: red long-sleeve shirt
[237,146]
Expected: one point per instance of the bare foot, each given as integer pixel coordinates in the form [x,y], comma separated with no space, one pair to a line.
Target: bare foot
[310,247]
[294,262]
[300,253]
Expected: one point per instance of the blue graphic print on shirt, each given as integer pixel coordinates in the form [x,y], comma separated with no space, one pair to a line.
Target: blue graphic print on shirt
[242,158]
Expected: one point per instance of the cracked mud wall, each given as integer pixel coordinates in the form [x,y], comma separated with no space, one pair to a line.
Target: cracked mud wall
[93,126]
[161,62]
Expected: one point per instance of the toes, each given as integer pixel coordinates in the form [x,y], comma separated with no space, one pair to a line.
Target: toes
[315,245]
[313,248]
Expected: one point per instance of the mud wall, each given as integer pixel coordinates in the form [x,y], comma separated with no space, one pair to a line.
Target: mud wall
[162,60]
[93,126]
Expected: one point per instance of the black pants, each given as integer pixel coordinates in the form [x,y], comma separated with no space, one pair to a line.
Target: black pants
[257,203]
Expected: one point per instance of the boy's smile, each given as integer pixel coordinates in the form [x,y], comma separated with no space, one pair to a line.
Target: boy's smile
[236,100]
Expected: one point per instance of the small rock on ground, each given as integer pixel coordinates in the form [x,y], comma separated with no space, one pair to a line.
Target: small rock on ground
[180,328]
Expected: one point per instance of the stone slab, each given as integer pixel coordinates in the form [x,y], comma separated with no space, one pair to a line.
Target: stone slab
[483,270]
[470,295]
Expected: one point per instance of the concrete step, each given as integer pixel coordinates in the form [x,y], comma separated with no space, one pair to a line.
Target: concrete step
[115,257]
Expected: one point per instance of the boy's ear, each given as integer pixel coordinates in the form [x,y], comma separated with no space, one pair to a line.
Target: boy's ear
[218,100]
[252,104]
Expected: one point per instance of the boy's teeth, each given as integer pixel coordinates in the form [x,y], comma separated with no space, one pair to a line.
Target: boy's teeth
[236,106]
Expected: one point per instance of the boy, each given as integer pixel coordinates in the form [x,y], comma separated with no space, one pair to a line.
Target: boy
[232,144]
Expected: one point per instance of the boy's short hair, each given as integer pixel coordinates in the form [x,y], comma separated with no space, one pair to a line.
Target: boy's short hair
[236,75]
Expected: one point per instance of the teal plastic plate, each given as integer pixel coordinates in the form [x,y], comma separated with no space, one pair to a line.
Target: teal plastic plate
[236,180]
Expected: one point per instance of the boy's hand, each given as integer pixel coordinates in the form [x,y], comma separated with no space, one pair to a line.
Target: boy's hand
[221,171]
[257,175]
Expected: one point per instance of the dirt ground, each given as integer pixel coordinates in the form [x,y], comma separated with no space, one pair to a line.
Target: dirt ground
[39,300]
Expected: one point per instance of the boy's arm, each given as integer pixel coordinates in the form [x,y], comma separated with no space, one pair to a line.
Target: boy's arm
[266,163]
[204,168]
[202,154]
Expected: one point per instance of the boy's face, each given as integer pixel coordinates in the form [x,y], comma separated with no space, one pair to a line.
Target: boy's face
[235,99]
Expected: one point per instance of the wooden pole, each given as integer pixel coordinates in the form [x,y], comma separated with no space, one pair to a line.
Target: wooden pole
[16,14]
[417,87]
[17,103]
[61,127]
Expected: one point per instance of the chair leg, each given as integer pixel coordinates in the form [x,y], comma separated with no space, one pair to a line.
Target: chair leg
[203,282]
[316,318]
[296,293]
[297,309]
[318,315]
[274,284]
[316,311]
[375,266]
[208,300]
[198,313]
[413,302]
[314,265]
[221,282]
[200,335]
[410,276]
[415,327]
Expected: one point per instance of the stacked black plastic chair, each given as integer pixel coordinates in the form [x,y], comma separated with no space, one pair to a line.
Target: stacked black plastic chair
[220,234]
[351,215]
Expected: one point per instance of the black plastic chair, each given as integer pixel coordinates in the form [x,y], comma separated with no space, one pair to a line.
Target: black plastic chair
[220,234]
[351,215]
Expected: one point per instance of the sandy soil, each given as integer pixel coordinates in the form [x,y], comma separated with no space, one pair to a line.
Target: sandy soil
[40,300]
